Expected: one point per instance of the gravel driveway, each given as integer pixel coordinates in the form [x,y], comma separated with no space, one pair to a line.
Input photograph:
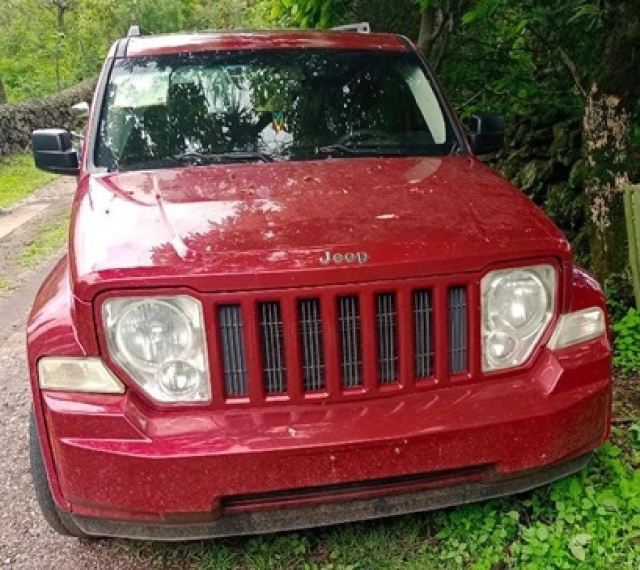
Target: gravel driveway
[25,539]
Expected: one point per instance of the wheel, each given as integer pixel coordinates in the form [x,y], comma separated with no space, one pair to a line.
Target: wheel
[58,521]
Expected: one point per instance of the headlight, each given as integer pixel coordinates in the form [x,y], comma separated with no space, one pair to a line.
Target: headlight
[517,307]
[160,342]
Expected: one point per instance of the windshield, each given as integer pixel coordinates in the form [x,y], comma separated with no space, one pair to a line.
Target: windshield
[268,105]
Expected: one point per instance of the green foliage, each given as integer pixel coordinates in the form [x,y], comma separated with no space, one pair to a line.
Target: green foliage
[308,13]
[627,343]
[6,285]
[19,178]
[589,518]
[34,52]
[50,238]
[619,294]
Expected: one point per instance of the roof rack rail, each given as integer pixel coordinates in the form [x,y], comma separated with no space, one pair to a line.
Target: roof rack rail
[361,28]
[135,31]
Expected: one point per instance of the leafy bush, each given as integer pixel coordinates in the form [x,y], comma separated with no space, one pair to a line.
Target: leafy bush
[619,295]
[627,343]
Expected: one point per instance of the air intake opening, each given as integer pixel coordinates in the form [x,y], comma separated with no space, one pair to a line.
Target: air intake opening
[234,360]
[423,334]
[274,371]
[350,341]
[311,347]
[387,332]
[457,330]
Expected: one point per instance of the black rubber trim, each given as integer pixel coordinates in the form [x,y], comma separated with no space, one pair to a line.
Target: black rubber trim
[288,519]
[335,491]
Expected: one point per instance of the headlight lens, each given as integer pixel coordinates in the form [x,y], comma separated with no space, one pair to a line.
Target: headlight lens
[517,307]
[160,342]
[151,331]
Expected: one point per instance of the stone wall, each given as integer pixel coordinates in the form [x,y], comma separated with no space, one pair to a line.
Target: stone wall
[18,121]
[543,158]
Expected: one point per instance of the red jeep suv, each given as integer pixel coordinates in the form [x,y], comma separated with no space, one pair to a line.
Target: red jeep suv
[293,297]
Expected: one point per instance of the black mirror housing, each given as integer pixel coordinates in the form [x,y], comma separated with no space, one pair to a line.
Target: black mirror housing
[53,151]
[486,132]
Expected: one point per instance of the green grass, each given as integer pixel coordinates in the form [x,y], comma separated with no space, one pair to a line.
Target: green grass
[50,238]
[588,521]
[19,178]
[6,285]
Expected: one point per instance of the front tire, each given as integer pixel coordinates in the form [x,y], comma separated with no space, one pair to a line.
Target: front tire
[58,521]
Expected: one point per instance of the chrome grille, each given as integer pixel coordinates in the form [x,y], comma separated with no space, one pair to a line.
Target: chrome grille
[350,341]
[234,358]
[387,332]
[457,330]
[272,342]
[423,334]
[311,345]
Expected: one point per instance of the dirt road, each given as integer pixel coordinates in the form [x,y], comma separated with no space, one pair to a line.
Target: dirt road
[25,539]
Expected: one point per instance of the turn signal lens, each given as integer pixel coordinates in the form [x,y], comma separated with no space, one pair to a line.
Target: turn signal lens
[578,327]
[77,375]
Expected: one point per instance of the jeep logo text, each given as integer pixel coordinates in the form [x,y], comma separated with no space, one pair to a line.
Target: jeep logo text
[343,258]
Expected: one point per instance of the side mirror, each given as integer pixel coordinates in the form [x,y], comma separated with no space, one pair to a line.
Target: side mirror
[80,110]
[53,151]
[486,132]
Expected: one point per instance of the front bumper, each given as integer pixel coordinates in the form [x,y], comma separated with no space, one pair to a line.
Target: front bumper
[292,518]
[120,468]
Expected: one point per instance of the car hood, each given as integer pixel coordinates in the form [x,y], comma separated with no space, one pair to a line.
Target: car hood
[269,225]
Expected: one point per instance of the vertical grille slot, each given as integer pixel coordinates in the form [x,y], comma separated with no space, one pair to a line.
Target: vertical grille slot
[387,331]
[423,333]
[274,371]
[234,359]
[350,341]
[311,347]
[457,330]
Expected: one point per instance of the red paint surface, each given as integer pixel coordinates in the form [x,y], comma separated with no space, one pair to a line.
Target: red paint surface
[247,233]
[262,226]
[221,41]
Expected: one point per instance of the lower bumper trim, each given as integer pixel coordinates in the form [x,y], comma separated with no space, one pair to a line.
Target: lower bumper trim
[295,518]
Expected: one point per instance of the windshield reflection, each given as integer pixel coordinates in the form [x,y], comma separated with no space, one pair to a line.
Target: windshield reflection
[212,108]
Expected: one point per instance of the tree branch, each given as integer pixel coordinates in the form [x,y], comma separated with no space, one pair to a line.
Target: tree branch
[573,69]
[565,58]
[442,52]
[444,20]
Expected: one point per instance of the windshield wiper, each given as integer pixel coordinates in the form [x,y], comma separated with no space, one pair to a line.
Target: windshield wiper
[360,150]
[190,159]
[198,159]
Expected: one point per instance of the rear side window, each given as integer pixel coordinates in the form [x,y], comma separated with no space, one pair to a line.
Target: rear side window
[283,105]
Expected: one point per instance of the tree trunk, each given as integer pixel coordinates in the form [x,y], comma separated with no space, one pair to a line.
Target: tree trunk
[613,92]
[428,23]
[3,93]
[606,129]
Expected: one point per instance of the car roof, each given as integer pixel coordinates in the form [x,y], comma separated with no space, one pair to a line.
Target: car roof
[151,45]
